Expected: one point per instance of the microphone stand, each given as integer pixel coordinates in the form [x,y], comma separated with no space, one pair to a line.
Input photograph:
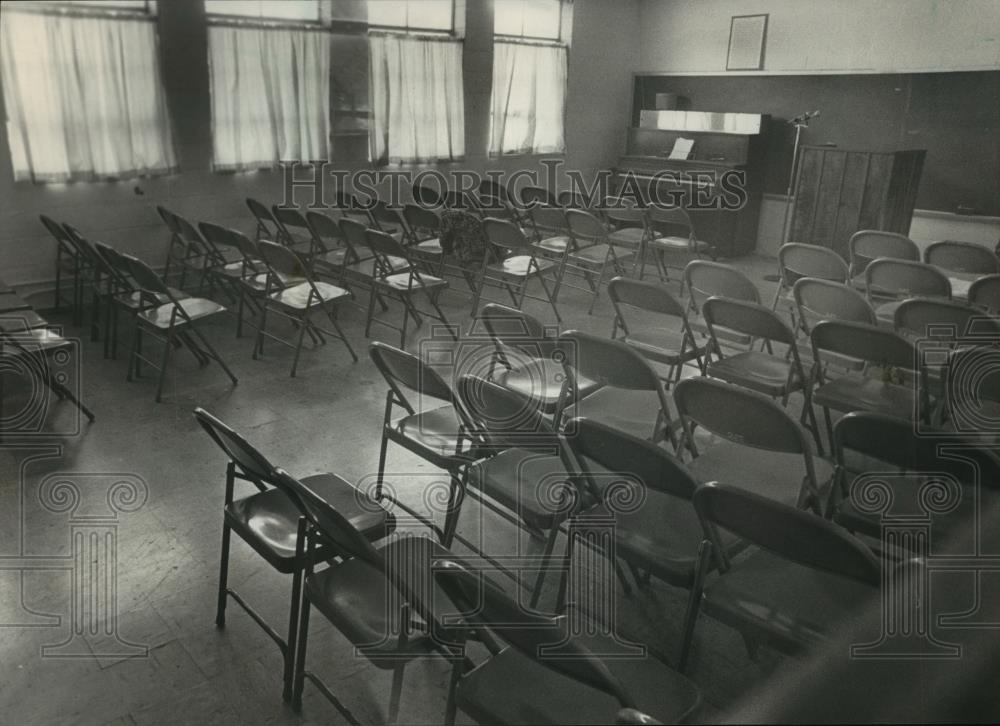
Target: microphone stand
[800,122]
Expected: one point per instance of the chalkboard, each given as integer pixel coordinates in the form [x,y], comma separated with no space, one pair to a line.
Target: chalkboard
[954,116]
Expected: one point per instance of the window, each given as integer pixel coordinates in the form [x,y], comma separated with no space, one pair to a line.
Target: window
[144,6]
[295,10]
[83,94]
[417,99]
[413,15]
[540,19]
[530,61]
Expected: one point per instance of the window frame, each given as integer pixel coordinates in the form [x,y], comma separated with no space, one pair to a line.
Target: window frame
[412,30]
[82,9]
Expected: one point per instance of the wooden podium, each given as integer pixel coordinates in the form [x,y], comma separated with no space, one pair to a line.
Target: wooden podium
[839,191]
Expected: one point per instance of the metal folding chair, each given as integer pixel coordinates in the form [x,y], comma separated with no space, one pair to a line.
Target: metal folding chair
[591,253]
[272,522]
[796,261]
[174,320]
[267,225]
[807,578]
[964,257]
[985,293]
[295,232]
[671,345]
[869,244]
[704,279]
[548,674]
[763,449]
[296,301]
[68,260]
[671,231]
[888,282]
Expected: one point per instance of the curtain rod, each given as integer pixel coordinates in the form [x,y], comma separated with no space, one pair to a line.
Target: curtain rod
[79,11]
[442,37]
[230,21]
[515,40]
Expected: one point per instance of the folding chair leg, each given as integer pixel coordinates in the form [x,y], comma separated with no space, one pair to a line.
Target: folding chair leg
[550,544]
[303,325]
[300,654]
[167,347]
[214,354]
[694,605]
[371,313]
[291,641]
[343,337]
[64,393]
[220,609]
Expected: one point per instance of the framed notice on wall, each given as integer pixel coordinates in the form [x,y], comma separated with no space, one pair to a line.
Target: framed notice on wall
[747,35]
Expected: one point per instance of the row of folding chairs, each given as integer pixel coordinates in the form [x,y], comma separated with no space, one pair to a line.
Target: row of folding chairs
[34,351]
[399,594]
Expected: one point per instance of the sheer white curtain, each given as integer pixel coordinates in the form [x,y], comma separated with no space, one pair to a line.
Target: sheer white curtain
[529,97]
[418,110]
[270,96]
[83,97]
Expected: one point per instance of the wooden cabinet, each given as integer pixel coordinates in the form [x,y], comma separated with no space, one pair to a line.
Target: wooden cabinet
[838,192]
[720,186]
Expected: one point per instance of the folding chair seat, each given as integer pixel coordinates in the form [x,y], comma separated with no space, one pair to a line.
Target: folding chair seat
[27,344]
[295,232]
[525,470]
[763,449]
[396,276]
[888,282]
[272,522]
[704,279]
[764,371]
[527,358]
[962,257]
[671,231]
[170,322]
[671,345]
[267,225]
[430,427]
[884,457]
[68,261]
[632,397]
[808,578]
[868,244]
[629,226]
[297,301]
[516,264]
[591,253]
[892,382]
[985,293]
[796,261]
[546,674]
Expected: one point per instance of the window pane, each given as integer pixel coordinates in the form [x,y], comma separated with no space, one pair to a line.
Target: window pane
[430,14]
[109,4]
[508,17]
[541,19]
[387,12]
[283,9]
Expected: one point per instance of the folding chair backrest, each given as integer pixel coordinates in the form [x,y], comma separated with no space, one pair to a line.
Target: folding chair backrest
[290,221]
[426,197]
[531,196]
[513,328]
[332,527]
[985,293]
[827,300]
[169,219]
[56,230]
[622,210]
[383,245]
[905,278]
[619,453]
[82,245]
[540,637]
[491,188]
[189,233]
[670,221]
[281,259]
[549,219]
[324,227]
[647,296]
[504,417]
[263,216]
[893,445]
[942,319]
[568,199]
[608,362]
[962,257]
[144,277]
[753,319]
[355,233]
[704,279]
[247,247]
[400,368]
[869,244]
[242,453]
[113,264]
[740,415]
[215,235]
[506,235]
[454,199]
[865,342]
[796,261]
[383,216]
[793,534]
[585,227]
[419,219]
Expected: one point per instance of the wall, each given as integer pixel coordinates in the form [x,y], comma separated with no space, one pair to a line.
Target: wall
[691,37]
[837,36]
[123,213]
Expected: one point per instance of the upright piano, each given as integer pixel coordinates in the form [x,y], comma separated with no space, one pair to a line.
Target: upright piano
[720,184]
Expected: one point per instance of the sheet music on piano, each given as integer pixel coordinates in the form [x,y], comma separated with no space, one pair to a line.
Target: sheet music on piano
[682,148]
